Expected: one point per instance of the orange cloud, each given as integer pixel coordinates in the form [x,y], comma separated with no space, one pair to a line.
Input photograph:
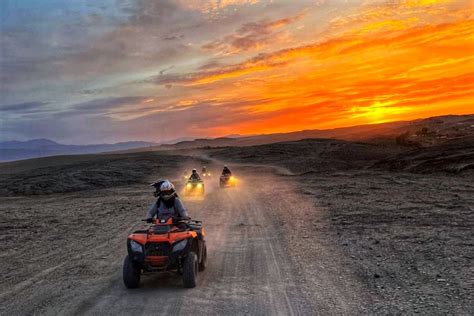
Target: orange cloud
[386,67]
[423,3]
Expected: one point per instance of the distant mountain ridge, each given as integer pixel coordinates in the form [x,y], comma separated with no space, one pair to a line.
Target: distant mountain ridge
[16,150]
[417,132]
[29,144]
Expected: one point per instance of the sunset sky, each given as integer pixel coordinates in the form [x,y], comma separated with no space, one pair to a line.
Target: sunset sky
[83,72]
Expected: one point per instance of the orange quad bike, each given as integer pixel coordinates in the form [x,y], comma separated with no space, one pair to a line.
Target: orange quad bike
[168,244]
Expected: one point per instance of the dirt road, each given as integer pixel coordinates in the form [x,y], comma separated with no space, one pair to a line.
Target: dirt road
[255,262]
[251,270]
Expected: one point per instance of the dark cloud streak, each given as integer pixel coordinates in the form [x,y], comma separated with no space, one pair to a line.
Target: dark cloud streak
[107,104]
[22,107]
[251,35]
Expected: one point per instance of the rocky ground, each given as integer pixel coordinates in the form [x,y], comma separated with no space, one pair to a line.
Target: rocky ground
[64,174]
[408,236]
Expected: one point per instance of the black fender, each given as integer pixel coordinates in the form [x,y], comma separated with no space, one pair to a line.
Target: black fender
[136,257]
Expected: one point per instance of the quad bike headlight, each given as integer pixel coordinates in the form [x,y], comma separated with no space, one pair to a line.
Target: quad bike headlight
[189,185]
[136,247]
[199,185]
[180,245]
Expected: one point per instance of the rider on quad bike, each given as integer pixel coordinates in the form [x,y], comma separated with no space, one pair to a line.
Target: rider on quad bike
[226,179]
[195,176]
[195,185]
[168,202]
[205,172]
[173,242]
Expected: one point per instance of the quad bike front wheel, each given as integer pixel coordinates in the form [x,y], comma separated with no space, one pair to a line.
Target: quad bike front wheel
[190,270]
[131,274]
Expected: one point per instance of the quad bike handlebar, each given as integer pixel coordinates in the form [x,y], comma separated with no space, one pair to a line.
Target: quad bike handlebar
[176,220]
[195,181]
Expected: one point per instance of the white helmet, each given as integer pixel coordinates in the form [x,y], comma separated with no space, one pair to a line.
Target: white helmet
[167,190]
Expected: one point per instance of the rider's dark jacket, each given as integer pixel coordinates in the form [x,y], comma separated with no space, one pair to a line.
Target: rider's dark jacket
[194,176]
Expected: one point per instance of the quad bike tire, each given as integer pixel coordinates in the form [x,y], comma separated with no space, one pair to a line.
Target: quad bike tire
[131,274]
[190,270]
[203,263]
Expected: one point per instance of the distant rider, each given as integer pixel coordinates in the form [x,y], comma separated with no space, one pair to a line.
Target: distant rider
[226,171]
[168,202]
[194,176]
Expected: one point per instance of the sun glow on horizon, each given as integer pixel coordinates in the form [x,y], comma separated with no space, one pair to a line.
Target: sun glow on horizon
[379,112]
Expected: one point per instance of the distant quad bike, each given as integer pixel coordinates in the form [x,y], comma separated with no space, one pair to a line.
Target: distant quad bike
[227,180]
[205,172]
[194,187]
[168,244]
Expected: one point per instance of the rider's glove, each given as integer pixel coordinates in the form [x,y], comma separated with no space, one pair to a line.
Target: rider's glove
[149,220]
